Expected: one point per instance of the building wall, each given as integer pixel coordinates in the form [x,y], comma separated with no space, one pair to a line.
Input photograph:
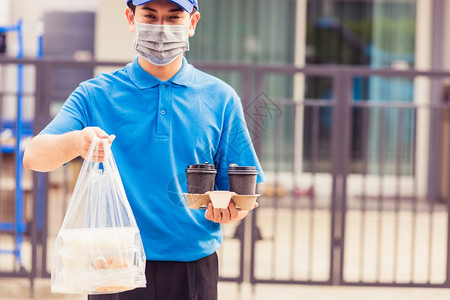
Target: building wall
[113,39]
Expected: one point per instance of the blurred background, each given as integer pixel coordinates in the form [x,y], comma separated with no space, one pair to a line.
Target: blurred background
[347,103]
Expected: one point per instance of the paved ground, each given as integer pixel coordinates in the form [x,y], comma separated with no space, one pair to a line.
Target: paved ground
[18,289]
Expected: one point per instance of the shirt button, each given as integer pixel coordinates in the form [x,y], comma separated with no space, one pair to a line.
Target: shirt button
[163,87]
[163,111]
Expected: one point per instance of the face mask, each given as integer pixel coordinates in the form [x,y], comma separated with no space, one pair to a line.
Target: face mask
[161,44]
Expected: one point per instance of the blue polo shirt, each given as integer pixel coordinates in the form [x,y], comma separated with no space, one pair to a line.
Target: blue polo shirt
[161,128]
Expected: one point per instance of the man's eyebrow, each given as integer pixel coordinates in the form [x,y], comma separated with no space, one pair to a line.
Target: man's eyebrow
[150,9]
[178,9]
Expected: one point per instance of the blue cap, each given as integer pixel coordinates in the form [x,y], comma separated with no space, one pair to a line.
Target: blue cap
[187,5]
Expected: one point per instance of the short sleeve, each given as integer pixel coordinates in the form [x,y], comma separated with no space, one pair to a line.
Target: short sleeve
[72,115]
[235,145]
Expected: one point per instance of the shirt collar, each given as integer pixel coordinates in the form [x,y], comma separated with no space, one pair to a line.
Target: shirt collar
[144,80]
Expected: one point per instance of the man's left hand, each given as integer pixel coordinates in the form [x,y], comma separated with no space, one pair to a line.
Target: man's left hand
[223,215]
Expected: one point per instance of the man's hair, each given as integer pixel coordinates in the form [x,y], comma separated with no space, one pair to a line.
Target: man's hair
[133,8]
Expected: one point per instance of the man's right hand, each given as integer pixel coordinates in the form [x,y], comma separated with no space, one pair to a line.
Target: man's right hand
[87,135]
[47,152]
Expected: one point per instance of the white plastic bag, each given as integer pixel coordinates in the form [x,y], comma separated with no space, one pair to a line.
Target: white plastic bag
[98,249]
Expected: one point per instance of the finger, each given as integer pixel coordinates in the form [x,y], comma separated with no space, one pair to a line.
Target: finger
[100,158]
[225,215]
[100,132]
[85,148]
[217,215]
[233,210]
[87,135]
[99,152]
[90,134]
[209,212]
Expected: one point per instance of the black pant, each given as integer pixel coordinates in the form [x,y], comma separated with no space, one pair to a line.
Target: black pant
[166,280]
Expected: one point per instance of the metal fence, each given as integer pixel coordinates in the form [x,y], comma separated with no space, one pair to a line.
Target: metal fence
[370,220]
[347,198]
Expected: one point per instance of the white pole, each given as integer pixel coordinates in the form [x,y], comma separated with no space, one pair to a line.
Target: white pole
[299,84]
[5,12]
[422,91]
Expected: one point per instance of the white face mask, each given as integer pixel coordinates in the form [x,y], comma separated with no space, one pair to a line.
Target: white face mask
[161,44]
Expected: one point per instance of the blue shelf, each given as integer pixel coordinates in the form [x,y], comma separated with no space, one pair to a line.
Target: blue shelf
[18,130]
[7,149]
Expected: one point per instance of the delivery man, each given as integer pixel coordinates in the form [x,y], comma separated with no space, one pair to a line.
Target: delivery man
[163,115]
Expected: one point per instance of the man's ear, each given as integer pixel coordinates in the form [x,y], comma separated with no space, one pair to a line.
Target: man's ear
[130,19]
[194,20]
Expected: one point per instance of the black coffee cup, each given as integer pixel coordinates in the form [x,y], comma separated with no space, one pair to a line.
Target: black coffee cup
[200,178]
[242,179]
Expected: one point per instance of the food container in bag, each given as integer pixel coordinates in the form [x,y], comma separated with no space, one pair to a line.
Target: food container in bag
[98,249]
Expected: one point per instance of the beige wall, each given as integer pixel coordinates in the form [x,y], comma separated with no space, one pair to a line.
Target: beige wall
[113,39]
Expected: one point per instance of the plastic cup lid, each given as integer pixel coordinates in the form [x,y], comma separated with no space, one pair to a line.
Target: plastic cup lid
[235,169]
[206,167]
